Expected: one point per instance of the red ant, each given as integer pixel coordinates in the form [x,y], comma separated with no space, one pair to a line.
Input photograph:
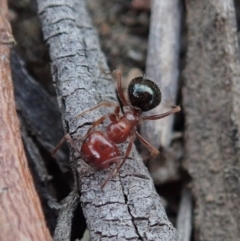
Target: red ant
[99,149]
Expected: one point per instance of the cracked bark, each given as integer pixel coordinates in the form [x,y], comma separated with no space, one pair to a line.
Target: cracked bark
[211,101]
[128,207]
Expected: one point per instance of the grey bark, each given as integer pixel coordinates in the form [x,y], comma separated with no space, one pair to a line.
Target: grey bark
[211,102]
[128,207]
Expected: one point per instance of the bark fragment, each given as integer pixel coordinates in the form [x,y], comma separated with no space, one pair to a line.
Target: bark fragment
[20,209]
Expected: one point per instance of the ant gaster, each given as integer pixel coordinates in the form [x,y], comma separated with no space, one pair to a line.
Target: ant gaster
[99,148]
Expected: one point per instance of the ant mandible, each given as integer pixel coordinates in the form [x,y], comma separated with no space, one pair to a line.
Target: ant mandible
[99,149]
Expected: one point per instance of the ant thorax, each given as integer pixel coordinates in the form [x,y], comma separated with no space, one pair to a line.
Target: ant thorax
[131,118]
[135,111]
[119,131]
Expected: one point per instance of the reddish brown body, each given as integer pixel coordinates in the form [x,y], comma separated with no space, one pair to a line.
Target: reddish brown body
[118,131]
[99,151]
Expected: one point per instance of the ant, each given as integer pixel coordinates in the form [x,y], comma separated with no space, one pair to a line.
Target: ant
[99,149]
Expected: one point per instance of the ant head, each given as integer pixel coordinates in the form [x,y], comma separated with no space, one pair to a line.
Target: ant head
[144,94]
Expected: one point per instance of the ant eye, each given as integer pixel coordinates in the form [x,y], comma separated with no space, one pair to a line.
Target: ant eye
[144,94]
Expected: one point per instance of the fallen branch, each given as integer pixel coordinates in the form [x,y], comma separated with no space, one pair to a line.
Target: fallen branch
[21,216]
[162,67]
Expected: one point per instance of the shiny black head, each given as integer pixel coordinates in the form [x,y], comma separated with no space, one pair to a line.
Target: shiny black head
[144,94]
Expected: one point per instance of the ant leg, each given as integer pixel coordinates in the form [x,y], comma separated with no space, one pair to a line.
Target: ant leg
[67,138]
[106,104]
[119,87]
[118,167]
[151,148]
[115,116]
[117,111]
[97,122]
[129,148]
[112,117]
[156,117]
[110,175]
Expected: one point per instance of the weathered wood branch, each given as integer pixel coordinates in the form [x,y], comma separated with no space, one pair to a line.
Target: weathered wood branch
[162,67]
[211,102]
[21,216]
[128,207]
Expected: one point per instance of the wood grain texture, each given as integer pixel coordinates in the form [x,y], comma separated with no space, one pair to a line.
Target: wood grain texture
[128,207]
[162,67]
[211,103]
[21,216]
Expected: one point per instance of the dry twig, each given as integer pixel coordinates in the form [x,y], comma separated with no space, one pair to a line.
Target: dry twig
[184,219]
[162,66]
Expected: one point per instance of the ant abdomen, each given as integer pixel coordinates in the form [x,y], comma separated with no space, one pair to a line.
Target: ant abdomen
[99,151]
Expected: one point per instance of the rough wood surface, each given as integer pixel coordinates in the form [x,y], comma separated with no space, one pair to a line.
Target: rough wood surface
[128,207]
[21,216]
[211,103]
[162,67]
